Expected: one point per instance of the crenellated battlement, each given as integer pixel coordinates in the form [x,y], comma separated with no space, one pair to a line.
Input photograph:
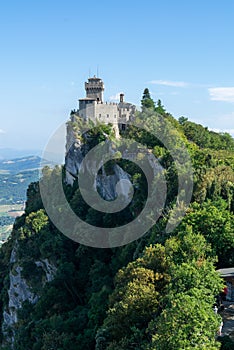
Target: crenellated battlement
[94,88]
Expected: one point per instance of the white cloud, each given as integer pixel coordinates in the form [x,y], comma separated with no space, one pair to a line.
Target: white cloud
[2,131]
[169,83]
[225,94]
[115,97]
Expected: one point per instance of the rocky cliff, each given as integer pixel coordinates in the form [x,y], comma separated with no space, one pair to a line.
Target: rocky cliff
[38,254]
[21,290]
[106,184]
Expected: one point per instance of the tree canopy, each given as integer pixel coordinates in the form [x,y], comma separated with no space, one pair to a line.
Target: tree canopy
[157,292]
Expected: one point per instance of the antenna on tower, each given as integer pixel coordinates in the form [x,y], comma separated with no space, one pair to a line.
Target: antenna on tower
[89,73]
[97,71]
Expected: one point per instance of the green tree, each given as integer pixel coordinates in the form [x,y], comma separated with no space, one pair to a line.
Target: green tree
[164,299]
[147,101]
[182,120]
[216,224]
[160,108]
[188,323]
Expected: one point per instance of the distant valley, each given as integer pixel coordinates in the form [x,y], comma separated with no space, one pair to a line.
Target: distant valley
[15,176]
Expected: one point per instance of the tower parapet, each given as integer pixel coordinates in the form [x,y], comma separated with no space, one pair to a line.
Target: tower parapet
[95,88]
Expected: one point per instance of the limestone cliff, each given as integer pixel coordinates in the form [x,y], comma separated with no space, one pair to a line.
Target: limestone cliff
[41,260]
[105,183]
[21,290]
[30,270]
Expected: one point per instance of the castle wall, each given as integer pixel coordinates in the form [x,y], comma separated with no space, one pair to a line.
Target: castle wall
[93,108]
[88,111]
[107,113]
[126,111]
[103,112]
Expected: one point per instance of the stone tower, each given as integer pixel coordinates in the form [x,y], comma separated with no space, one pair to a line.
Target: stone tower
[94,89]
[92,107]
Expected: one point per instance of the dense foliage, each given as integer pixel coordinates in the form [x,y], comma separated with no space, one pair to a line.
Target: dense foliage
[156,293]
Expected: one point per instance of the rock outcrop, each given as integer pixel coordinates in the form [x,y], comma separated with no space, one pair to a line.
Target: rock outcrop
[20,291]
[104,183]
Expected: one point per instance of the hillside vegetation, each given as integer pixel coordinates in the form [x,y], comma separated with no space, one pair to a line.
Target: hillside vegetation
[155,293]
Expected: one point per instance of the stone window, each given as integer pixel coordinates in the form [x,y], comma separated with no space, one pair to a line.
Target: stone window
[107,116]
[100,115]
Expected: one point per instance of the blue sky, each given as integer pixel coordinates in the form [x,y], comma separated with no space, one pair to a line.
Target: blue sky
[181,50]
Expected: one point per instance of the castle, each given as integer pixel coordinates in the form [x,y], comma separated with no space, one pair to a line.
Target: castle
[94,108]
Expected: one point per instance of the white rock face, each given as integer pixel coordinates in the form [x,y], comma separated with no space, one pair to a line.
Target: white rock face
[19,290]
[73,161]
[48,268]
[14,253]
[106,184]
